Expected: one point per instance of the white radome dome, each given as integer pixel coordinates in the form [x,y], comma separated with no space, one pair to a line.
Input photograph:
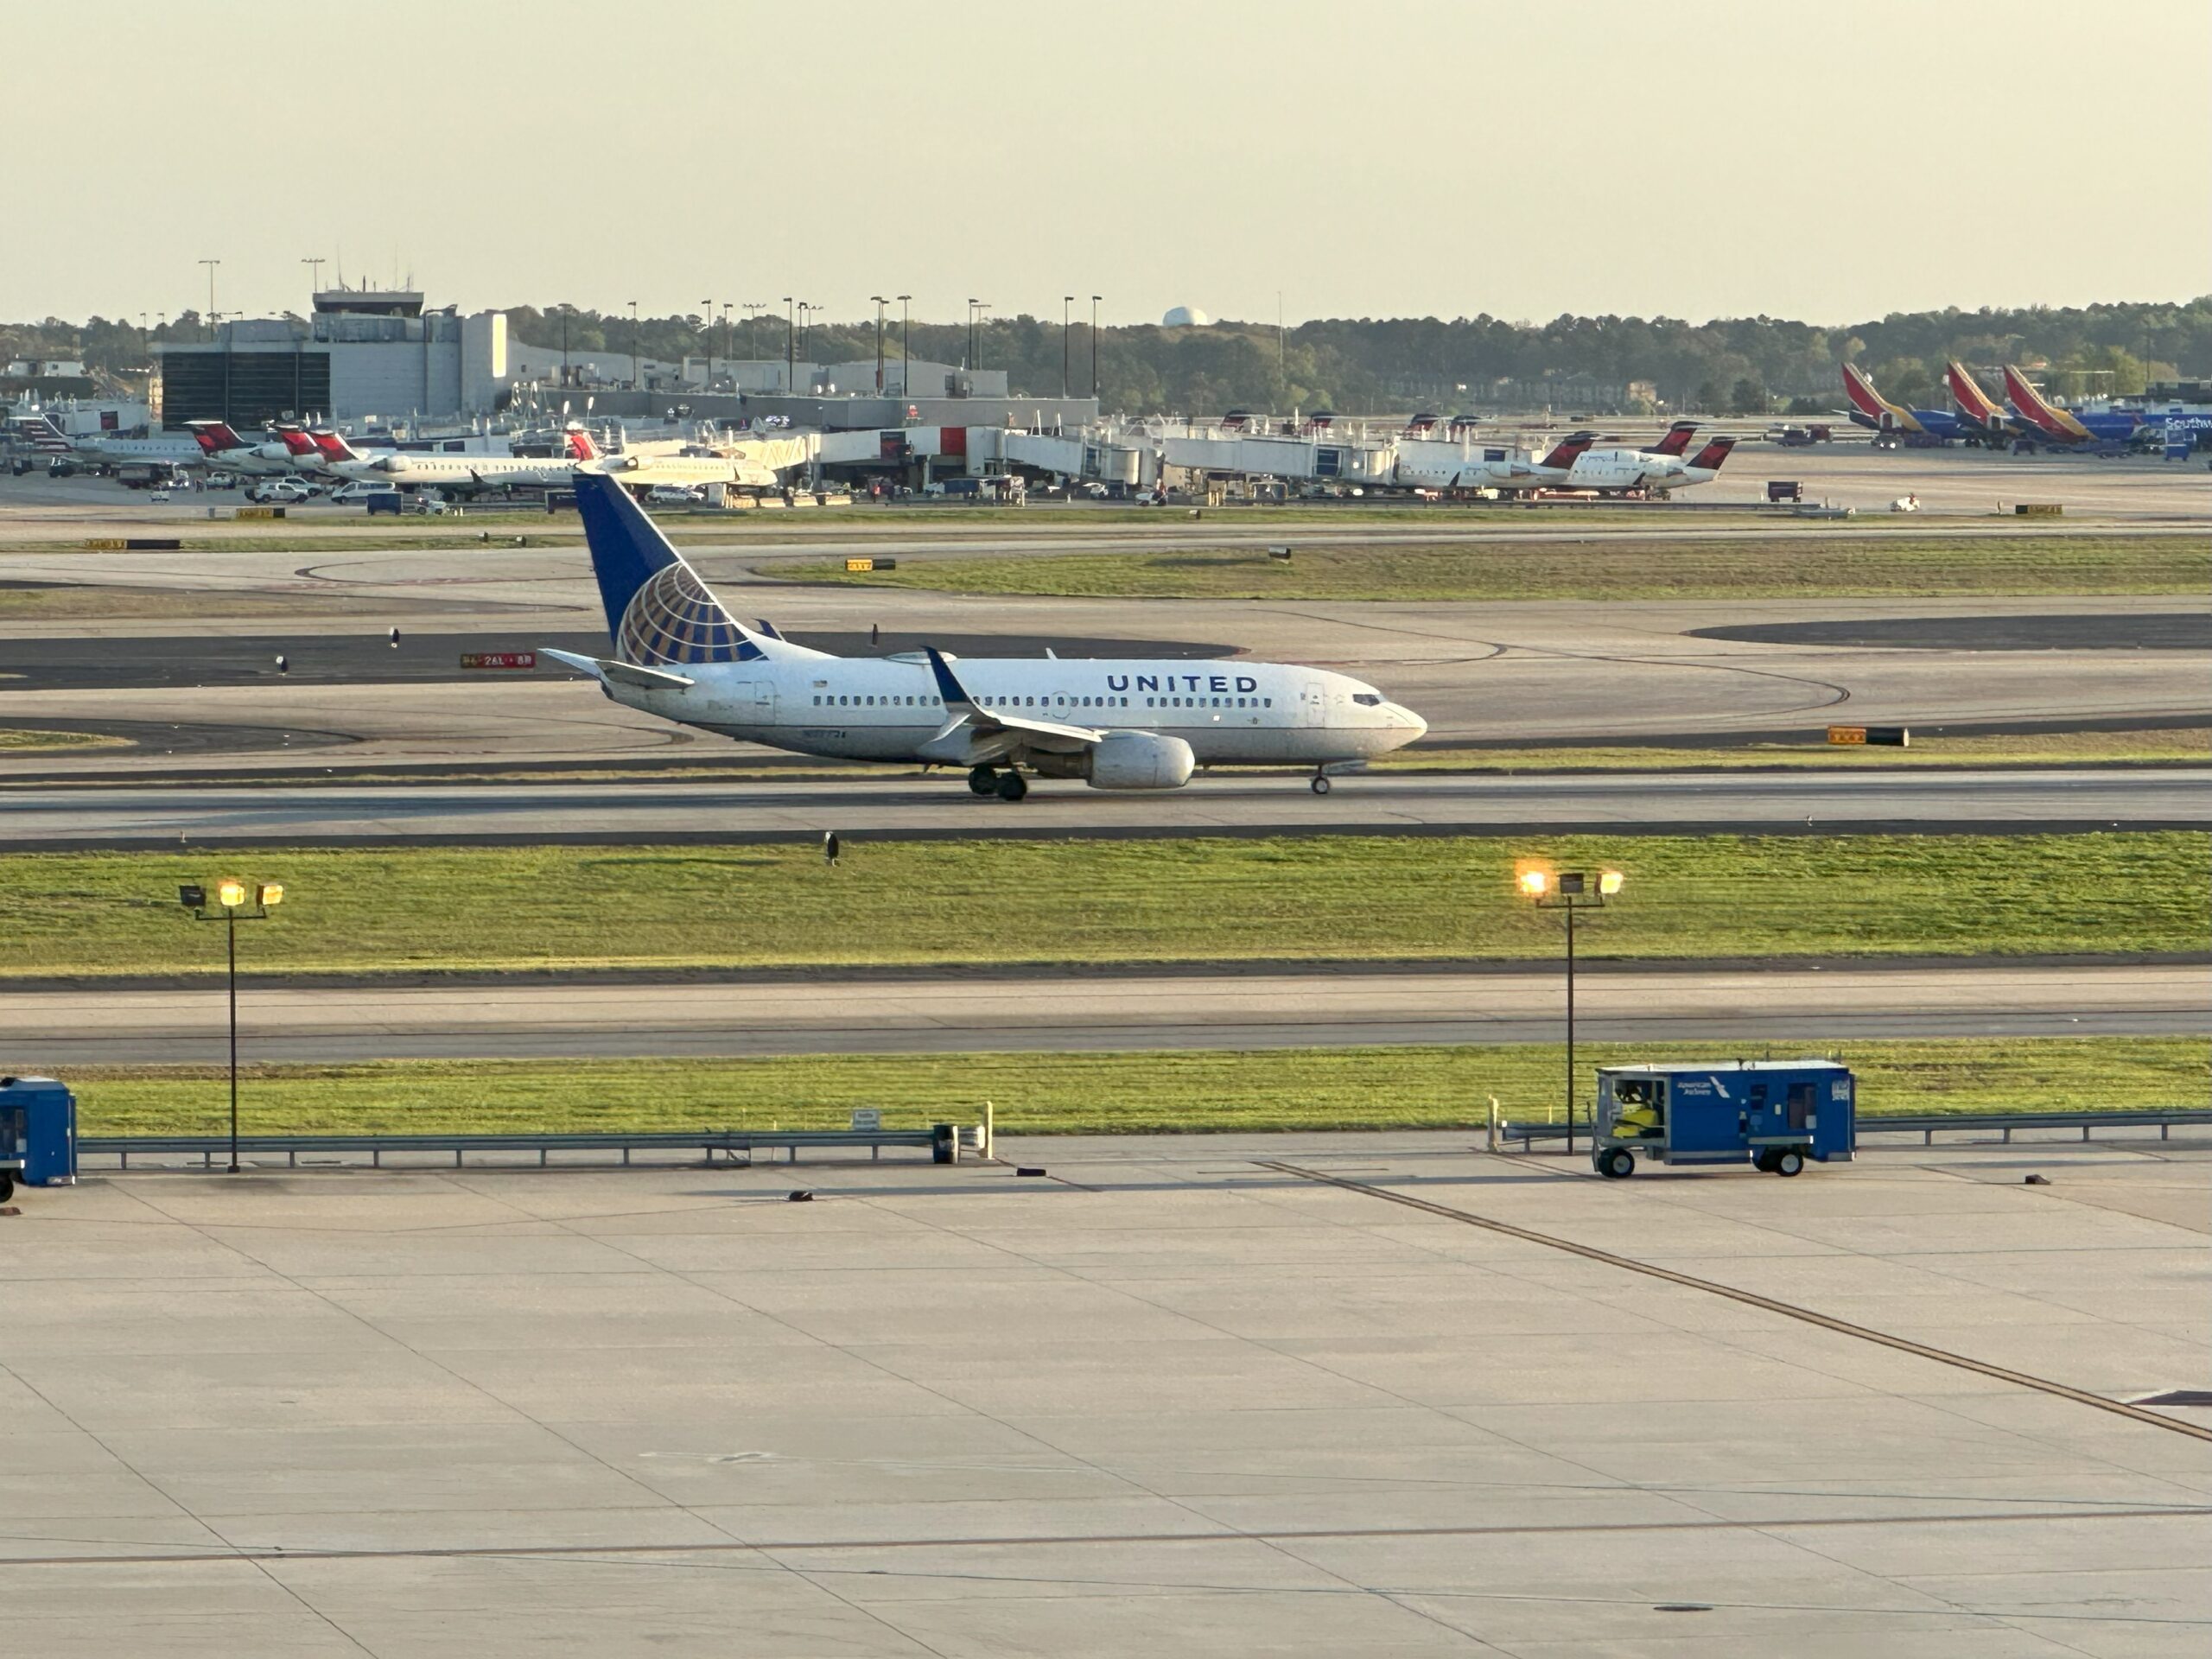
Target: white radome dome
[1185,316]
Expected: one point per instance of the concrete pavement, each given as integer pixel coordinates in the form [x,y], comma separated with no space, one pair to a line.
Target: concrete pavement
[904,805]
[1169,1400]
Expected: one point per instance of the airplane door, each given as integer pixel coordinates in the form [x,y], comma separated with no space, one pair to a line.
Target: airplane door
[754,702]
[1313,703]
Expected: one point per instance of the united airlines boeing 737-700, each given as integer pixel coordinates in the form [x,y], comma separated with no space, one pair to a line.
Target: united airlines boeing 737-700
[679,653]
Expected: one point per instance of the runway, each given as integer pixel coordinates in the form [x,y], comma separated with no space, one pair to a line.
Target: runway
[908,807]
[1098,1012]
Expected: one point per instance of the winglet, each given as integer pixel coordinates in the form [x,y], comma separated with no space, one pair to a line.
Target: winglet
[956,697]
[766,629]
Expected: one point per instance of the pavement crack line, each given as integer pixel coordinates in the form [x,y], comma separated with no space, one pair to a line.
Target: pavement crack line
[1752,1299]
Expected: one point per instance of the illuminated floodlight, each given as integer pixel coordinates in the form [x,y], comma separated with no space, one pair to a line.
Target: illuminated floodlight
[230,892]
[268,894]
[1536,883]
[1609,882]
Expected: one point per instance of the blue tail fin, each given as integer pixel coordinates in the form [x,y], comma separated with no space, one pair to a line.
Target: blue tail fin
[657,610]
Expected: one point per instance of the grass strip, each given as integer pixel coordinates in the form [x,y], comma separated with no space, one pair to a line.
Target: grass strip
[1786,565]
[20,739]
[1169,1092]
[374,911]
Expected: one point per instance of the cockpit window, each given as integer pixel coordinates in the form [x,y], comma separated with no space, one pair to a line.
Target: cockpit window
[1371,699]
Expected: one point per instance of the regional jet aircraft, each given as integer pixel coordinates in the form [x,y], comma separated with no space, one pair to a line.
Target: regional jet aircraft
[678,653]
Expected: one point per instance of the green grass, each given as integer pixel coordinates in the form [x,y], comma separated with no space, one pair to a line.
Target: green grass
[1804,562]
[21,738]
[1067,1094]
[516,909]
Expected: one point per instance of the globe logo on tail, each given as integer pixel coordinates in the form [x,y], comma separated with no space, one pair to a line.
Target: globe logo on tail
[673,619]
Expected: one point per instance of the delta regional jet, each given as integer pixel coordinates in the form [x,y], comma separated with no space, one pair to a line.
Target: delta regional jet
[680,654]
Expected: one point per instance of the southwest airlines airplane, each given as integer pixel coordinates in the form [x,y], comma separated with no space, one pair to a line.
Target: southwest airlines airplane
[680,654]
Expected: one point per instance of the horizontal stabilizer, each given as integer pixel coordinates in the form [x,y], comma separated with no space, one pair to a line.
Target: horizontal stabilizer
[604,669]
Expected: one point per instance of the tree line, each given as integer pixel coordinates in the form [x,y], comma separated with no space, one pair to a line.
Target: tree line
[1604,365]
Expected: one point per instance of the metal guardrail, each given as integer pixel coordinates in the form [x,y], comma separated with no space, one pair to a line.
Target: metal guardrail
[1927,1126]
[727,1143]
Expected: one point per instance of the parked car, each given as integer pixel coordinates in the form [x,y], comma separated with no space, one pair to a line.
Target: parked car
[279,491]
[675,495]
[357,493]
[220,481]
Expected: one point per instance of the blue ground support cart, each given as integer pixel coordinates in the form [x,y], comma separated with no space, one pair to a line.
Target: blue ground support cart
[1771,1114]
[38,1134]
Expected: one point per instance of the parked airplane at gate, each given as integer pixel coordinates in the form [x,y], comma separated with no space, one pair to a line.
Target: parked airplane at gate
[1447,466]
[680,654]
[2042,418]
[452,474]
[1981,413]
[1612,471]
[1869,409]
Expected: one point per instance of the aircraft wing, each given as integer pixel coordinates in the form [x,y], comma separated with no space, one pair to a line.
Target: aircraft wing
[602,668]
[990,723]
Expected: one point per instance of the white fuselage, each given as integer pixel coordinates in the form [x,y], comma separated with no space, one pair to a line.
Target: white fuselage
[638,471]
[1609,470]
[1231,713]
[461,474]
[1437,466]
[150,452]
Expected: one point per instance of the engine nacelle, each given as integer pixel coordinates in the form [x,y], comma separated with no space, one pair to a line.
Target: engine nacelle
[1139,761]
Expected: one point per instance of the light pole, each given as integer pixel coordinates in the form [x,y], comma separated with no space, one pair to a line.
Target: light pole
[972,303]
[1570,891]
[805,309]
[1094,345]
[636,357]
[211,264]
[567,310]
[230,898]
[981,306]
[707,329]
[879,303]
[752,308]
[906,387]
[790,348]
[315,274]
[1066,302]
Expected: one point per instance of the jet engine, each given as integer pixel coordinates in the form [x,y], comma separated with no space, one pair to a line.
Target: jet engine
[1139,761]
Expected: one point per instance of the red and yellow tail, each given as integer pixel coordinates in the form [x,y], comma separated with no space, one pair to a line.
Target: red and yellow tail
[1974,403]
[1871,408]
[2040,412]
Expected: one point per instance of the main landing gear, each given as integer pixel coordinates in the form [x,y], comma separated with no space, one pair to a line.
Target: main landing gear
[1007,786]
[1320,784]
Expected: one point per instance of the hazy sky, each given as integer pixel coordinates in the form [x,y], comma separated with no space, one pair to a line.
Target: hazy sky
[1825,160]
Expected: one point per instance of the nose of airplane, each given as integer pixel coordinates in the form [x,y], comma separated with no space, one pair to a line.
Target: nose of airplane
[1411,723]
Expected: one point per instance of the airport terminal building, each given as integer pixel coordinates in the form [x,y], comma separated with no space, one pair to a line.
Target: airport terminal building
[362,354]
